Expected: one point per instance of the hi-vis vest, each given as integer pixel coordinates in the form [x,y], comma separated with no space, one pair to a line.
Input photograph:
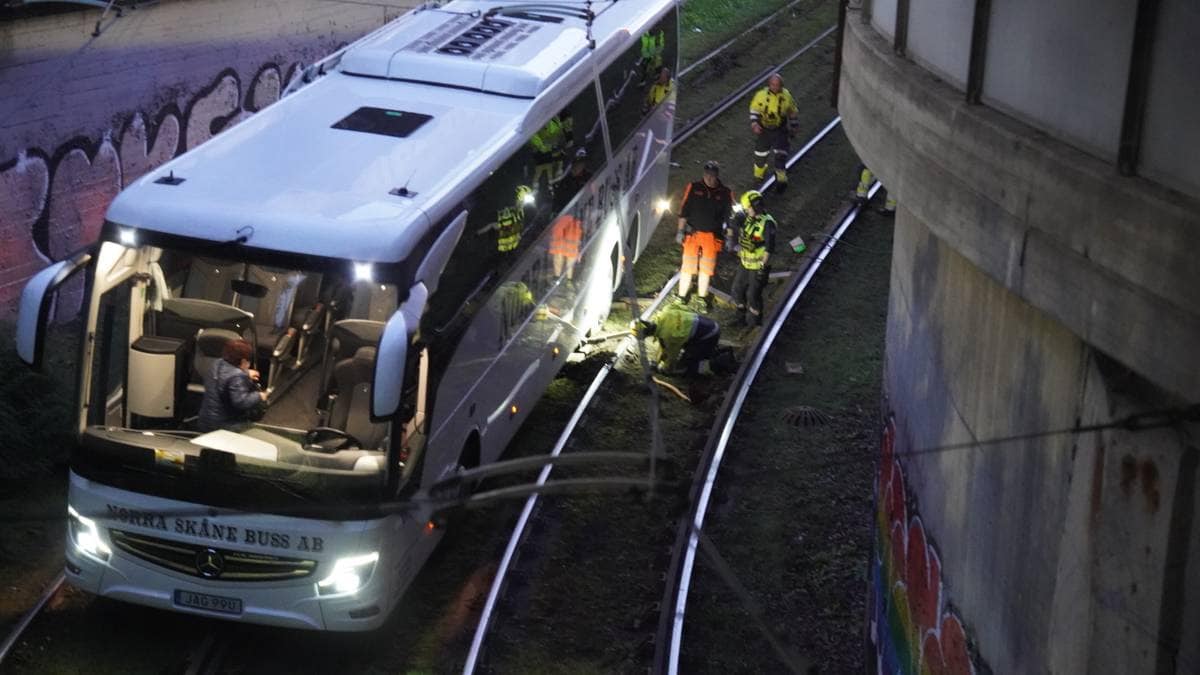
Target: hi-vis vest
[659,93]
[551,138]
[770,109]
[510,222]
[674,327]
[652,50]
[753,241]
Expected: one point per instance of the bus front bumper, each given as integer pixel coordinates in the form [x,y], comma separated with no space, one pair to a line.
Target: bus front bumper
[283,604]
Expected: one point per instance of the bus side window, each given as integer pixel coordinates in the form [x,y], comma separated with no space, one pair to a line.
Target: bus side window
[110,358]
[581,154]
[628,82]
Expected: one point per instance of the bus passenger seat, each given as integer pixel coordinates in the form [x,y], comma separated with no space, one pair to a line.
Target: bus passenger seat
[209,343]
[351,409]
[362,314]
[282,317]
[209,279]
[372,301]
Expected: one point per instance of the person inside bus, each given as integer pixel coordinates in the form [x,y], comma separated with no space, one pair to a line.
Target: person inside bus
[659,90]
[511,220]
[571,182]
[231,394]
[550,145]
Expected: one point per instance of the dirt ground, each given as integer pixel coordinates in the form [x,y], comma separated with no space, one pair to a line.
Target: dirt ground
[792,511]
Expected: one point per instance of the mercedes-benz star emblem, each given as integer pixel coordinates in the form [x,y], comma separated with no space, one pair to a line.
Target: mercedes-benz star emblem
[210,563]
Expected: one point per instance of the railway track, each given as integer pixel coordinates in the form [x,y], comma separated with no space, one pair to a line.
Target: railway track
[669,635]
[209,653]
[23,623]
[684,549]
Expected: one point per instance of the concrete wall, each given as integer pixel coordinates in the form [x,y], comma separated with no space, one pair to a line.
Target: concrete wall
[1062,66]
[883,16]
[939,37]
[81,116]
[1109,257]
[1171,136]
[1033,289]
[1069,553]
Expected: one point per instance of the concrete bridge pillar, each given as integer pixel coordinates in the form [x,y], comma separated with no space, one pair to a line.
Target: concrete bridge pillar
[1035,289]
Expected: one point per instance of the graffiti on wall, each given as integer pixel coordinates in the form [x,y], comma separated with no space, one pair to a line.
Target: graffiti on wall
[912,625]
[52,203]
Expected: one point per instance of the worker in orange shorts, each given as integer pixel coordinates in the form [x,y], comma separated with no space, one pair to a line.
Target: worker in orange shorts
[566,233]
[703,214]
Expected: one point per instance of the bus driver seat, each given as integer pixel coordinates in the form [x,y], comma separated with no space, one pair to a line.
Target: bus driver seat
[351,407]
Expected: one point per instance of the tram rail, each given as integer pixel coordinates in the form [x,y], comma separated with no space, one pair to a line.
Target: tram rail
[734,40]
[721,430]
[23,623]
[211,649]
[669,636]
[696,124]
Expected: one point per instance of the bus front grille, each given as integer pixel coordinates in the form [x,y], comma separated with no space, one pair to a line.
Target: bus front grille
[209,562]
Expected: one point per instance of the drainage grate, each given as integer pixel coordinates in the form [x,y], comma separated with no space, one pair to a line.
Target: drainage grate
[805,417]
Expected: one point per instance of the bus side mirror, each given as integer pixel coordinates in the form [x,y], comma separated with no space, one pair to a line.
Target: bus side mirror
[435,260]
[387,382]
[391,359]
[36,301]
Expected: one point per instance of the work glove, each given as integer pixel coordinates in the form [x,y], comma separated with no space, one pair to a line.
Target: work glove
[679,237]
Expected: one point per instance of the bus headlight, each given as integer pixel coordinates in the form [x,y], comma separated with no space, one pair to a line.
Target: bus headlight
[348,575]
[86,536]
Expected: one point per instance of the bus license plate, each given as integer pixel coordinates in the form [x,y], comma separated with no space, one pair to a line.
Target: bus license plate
[212,603]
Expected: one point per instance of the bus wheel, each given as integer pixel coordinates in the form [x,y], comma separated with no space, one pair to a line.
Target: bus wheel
[468,458]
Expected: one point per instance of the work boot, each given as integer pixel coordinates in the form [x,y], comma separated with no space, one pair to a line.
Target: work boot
[700,304]
[781,180]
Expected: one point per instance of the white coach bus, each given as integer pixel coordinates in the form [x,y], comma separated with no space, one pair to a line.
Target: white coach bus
[412,239]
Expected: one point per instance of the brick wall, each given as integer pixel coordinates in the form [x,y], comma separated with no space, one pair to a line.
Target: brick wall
[83,115]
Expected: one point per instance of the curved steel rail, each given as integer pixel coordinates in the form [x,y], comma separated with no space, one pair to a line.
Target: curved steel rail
[498,582]
[29,616]
[683,555]
[212,645]
[728,43]
[694,125]
[515,539]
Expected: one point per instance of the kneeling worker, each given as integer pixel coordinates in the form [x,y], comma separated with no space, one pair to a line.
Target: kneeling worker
[684,337]
[756,242]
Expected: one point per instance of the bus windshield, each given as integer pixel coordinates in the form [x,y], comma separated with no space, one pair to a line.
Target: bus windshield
[224,381]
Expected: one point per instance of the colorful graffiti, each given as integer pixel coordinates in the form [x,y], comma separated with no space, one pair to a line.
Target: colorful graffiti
[53,203]
[913,628]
